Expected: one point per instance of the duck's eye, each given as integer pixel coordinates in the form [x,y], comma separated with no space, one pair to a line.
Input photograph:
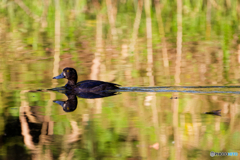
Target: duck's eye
[67,70]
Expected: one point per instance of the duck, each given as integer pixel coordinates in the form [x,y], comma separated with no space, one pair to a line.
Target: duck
[84,86]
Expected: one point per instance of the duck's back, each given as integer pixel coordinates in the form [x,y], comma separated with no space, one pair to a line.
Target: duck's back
[95,86]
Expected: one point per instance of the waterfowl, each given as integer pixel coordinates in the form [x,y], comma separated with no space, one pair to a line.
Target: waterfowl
[84,86]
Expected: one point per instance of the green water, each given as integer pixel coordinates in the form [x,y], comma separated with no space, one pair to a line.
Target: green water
[151,48]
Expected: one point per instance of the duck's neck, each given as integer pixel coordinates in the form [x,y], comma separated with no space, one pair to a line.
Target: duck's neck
[71,83]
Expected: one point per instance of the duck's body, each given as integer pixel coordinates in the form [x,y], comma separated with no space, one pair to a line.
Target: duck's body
[84,86]
[95,86]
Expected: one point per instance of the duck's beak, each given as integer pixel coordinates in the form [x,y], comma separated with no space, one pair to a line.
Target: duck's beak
[60,76]
[59,102]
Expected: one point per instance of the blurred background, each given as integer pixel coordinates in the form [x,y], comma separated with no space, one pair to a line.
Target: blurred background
[138,43]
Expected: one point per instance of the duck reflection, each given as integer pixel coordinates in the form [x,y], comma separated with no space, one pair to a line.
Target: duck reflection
[71,104]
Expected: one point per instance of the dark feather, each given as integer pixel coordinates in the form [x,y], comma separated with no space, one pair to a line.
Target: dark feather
[95,83]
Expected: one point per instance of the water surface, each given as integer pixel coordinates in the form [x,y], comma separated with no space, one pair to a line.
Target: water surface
[173,64]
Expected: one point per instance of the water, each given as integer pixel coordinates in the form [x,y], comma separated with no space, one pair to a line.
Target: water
[170,76]
[130,124]
[187,89]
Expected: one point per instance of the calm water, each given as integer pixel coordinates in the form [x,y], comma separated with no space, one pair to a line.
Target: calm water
[139,123]
[172,70]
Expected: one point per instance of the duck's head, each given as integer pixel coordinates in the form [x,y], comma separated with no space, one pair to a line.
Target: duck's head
[70,74]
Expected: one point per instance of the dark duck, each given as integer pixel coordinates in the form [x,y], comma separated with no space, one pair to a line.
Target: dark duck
[84,86]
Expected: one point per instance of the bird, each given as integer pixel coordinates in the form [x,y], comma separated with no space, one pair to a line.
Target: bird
[86,85]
